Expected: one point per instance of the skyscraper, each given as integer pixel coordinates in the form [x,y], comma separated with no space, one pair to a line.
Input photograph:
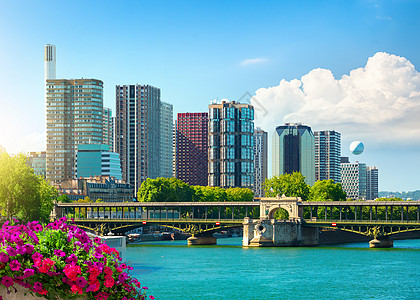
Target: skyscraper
[260,161]
[137,137]
[353,180]
[108,128]
[230,149]
[49,62]
[293,150]
[327,155]
[191,148]
[166,133]
[372,177]
[74,117]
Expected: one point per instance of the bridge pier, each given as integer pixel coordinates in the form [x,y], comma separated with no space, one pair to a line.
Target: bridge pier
[278,233]
[201,240]
[383,242]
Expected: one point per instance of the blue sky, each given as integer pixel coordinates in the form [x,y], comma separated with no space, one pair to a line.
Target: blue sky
[197,51]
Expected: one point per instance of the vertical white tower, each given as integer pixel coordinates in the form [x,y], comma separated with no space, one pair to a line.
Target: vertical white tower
[49,62]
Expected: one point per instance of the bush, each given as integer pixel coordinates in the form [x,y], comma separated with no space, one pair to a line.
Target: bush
[59,260]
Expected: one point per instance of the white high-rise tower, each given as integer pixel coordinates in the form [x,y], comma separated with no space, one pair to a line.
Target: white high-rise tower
[49,62]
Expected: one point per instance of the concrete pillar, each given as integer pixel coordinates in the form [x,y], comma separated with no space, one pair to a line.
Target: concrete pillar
[384,242]
[201,240]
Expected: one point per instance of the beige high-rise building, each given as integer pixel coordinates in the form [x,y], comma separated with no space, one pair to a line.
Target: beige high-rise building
[74,110]
[137,132]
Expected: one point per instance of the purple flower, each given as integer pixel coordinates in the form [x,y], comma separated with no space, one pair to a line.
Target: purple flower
[59,253]
[11,251]
[28,248]
[7,281]
[37,286]
[81,282]
[4,258]
[71,259]
[14,265]
[20,249]
[28,272]
[122,277]
[36,256]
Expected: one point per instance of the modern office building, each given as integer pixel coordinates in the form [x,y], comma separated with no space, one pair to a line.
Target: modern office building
[74,116]
[108,128]
[166,135]
[353,180]
[327,155]
[106,188]
[97,160]
[191,148]
[50,60]
[137,136]
[372,178]
[260,161]
[37,161]
[293,150]
[230,145]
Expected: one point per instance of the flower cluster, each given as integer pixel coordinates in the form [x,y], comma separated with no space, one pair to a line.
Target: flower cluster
[59,260]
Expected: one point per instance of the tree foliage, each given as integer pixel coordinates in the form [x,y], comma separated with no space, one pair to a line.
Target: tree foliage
[290,185]
[175,190]
[164,190]
[327,190]
[23,195]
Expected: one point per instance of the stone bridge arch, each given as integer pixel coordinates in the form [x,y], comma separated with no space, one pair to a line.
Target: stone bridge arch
[269,205]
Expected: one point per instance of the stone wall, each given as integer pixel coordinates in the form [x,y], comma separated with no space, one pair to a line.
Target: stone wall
[278,233]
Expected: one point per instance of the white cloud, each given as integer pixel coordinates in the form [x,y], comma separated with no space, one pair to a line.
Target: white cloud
[379,102]
[253,61]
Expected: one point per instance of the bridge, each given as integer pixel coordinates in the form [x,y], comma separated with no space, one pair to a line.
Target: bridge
[377,219]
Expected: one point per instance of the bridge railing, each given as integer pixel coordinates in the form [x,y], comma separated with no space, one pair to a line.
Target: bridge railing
[338,221]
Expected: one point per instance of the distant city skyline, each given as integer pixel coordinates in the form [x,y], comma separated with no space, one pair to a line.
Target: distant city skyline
[343,66]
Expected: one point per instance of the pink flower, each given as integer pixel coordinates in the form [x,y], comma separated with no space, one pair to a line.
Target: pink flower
[76,290]
[60,253]
[71,259]
[102,296]
[28,273]
[36,256]
[108,271]
[4,258]
[28,248]
[14,265]
[11,251]
[151,297]
[7,281]
[81,282]
[109,282]
[37,286]
[72,271]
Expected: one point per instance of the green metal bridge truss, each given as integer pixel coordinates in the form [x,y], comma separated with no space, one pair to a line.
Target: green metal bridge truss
[369,218]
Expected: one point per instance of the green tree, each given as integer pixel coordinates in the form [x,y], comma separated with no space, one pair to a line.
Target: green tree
[64,199]
[48,195]
[23,195]
[291,185]
[239,194]
[327,190]
[164,190]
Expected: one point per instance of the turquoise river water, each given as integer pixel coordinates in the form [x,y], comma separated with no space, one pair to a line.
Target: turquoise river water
[172,270]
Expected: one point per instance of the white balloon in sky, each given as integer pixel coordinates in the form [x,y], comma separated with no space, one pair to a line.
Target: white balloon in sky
[357,147]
